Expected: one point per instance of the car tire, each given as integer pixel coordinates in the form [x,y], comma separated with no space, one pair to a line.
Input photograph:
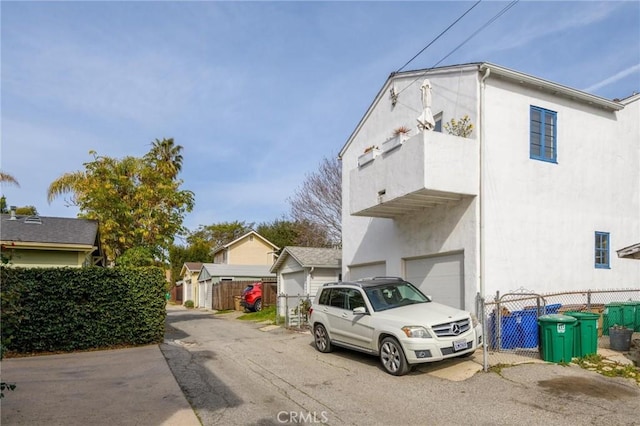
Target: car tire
[258,305]
[392,357]
[321,339]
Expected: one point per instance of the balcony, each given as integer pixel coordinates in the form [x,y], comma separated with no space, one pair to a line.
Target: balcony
[427,170]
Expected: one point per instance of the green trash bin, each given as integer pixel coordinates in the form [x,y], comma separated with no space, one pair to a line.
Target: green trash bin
[619,313]
[585,333]
[556,337]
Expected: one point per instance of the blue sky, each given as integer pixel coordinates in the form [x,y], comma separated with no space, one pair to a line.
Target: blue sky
[258,93]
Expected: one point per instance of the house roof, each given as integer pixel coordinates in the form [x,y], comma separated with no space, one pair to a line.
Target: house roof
[193,266]
[309,257]
[236,271]
[491,71]
[48,230]
[219,248]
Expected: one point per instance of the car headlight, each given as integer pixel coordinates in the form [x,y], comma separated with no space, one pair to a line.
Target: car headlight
[416,331]
[474,321]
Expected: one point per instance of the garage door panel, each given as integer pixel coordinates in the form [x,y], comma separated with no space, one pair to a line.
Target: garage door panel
[293,283]
[442,277]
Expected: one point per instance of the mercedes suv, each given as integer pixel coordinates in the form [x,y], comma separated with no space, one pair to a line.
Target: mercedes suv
[389,317]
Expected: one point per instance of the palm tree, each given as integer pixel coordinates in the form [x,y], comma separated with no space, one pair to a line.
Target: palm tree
[165,155]
[5,177]
[65,184]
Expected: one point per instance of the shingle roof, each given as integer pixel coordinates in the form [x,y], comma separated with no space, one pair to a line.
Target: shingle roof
[239,271]
[52,230]
[193,266]
[309,257]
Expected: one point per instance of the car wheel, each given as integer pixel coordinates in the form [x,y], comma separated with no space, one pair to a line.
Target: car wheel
[258,305]
[321,339]
[392,357]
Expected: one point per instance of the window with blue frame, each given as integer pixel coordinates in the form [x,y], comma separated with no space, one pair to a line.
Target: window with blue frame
[542,134]
[602,250]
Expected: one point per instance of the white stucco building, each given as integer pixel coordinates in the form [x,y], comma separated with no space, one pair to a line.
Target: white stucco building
[539,196]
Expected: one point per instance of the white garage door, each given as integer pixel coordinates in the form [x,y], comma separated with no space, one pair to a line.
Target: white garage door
[441,277]
[293,283]
[367,271]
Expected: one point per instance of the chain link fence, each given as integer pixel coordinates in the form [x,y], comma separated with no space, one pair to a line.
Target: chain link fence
[511,319]
[293,310]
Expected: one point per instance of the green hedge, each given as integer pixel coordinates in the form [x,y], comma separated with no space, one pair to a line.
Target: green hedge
[65,309]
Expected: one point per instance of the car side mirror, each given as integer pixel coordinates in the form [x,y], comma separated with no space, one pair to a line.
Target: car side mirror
[360,310]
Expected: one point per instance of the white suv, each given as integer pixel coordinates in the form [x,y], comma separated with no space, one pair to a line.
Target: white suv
[391,318]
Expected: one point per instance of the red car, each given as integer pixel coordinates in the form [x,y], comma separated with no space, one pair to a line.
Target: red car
[252,297]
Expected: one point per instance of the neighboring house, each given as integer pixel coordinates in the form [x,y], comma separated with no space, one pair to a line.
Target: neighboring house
[214,273]
[41,241]
[249,249]
[536,198]
[302,270]
[189,278]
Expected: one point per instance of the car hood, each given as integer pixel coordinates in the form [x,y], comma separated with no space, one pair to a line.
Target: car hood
[428,314]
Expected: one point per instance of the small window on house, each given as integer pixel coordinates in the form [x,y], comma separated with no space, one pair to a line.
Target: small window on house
[542,134]
[438,120]
[602,250]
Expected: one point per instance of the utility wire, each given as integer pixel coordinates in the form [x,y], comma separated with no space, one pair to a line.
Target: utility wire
[484,26]
[491,21]
[439,35]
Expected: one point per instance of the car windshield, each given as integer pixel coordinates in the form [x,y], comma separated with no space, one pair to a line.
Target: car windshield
[394,295]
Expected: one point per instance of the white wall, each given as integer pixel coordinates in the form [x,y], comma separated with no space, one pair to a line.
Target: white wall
[540,217]
[442,229]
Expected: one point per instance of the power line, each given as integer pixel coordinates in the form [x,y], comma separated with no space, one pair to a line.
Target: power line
[439,35]
[491,21]
[485,25]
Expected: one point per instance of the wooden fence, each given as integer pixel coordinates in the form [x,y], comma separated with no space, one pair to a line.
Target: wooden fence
[224,292]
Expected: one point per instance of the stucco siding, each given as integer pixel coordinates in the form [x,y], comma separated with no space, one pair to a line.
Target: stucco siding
[531,224]
[541,217]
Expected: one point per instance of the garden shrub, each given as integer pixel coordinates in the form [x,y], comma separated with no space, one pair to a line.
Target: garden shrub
[64,309]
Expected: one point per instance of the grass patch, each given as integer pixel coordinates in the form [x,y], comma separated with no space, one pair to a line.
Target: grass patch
[266,314]
[225,311]
[607,367]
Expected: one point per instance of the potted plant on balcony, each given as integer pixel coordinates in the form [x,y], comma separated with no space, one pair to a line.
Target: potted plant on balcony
[370,153]
[400,134]
[462,127]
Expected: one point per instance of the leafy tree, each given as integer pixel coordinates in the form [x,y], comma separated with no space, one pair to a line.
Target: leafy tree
[26,210]
[136,257]
[283,232]
[219,234]
[318,201]
[137,201]
[199,251]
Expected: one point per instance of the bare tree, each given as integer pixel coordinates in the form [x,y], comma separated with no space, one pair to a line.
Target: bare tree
[318,201]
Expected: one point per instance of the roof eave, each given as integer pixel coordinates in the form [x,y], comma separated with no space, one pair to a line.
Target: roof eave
[554,88]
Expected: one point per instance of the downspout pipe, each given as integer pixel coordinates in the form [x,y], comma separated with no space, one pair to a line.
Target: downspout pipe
[485,359]
[487,72]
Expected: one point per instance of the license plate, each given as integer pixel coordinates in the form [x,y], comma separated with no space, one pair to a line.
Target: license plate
[459,345]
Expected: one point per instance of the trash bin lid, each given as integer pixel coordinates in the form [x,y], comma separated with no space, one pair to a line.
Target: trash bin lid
[556,318]
[583,315]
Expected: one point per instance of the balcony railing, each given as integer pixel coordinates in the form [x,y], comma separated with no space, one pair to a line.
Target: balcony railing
[427,170]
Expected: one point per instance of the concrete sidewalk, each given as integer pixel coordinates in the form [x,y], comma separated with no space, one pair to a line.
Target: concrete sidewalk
[131,386]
